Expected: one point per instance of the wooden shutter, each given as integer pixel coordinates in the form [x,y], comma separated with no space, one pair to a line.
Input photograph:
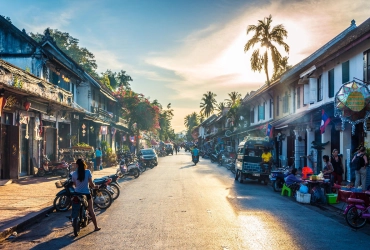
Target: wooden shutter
[331,83]
[345,72]
[313,88]
[13,151]
[306,94]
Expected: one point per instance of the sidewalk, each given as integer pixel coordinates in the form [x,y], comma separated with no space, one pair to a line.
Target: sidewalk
[28,199]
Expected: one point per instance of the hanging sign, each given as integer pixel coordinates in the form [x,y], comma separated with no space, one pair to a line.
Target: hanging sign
[103,130]
[352,104]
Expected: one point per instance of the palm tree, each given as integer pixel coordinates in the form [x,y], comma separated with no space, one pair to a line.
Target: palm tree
[234,97]
[208,103]
[220,107]
[266,37]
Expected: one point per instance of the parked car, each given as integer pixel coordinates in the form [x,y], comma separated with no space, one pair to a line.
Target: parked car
[169,148]
[149,157]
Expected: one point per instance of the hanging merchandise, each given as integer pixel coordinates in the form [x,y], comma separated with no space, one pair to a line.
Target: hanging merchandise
[26,105]
[25,120]
[352,104]
[103,130]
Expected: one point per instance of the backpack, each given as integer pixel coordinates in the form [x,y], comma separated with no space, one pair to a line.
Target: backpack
[359,162]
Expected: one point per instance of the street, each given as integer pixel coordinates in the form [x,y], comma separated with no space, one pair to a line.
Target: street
[180,206]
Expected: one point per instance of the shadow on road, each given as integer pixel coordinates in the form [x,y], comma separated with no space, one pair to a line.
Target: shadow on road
[188,166]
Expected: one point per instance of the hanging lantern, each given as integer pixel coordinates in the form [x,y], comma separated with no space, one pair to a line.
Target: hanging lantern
[27,105]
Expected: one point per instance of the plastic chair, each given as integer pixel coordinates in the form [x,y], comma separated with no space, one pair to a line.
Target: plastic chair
[286,190]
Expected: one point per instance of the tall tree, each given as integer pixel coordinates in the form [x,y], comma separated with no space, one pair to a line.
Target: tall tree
[234,97]
[220,107]
[208,103]
[70,46]
[266,37]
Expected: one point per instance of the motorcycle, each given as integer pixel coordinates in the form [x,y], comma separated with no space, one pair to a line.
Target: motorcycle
[79,216]
[230,164]
[128,170]
[109,183]
[195,159]
[62,201]
[277,178]
[215,157]
[57,168]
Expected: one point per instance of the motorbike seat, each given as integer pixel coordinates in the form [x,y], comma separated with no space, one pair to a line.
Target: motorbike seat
[99,181]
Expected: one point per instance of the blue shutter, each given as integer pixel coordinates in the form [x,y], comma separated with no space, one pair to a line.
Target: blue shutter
[345,72]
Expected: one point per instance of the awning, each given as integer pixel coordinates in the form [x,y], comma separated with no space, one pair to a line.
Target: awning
[94,119]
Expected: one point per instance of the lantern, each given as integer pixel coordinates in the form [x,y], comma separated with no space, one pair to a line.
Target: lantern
[27,105]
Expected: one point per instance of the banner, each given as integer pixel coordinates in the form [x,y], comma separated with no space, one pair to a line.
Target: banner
[269,130]
[325,120]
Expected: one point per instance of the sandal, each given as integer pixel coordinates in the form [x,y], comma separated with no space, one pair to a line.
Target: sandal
[97,229]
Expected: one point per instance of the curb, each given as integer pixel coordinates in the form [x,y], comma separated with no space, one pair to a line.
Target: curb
[27,220]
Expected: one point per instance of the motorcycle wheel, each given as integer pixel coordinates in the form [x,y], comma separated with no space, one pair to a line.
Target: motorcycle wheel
[136,173]
[62,203]
[107,197]
[41,172]
[64,173]
[277,185]
[86,222]
[354,218]
[76,226]
[116,191]
[119,173]
[143,168]
[236,175]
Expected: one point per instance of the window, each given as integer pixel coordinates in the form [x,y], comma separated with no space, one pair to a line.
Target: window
[261,112]
[331,83]
[299,97]
[252,116]
[277,105]
[286,103]
[345,72]
[319,89]
[271,107]
[367,66]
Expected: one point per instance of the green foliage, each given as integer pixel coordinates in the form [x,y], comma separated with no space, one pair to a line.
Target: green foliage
[117,80]
[7,18]
[266,38]
[70,46]
[82,144]
[208,103]
[109,158]
[104,145]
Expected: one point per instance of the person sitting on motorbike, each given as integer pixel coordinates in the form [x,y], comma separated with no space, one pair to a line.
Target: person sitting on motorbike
[82,178]
[266,159]
[195,152]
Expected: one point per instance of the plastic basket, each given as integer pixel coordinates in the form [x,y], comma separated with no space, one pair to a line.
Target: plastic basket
[303,198]
[332,198]
[59,184]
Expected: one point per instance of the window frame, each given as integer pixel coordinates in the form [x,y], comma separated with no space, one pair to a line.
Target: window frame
[320,89]
[331,83]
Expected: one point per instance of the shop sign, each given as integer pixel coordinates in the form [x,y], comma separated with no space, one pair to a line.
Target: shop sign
[352,104]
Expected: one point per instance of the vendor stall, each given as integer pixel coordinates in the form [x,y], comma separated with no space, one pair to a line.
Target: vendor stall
[70,155]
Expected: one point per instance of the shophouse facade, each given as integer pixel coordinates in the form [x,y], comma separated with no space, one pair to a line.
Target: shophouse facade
[293,104]
[65,103]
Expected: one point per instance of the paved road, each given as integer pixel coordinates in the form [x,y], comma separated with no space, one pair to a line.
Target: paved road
[180,206]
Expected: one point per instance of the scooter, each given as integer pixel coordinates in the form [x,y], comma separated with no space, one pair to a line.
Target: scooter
[277,178]
[195,159]
[57,168]
[128,170]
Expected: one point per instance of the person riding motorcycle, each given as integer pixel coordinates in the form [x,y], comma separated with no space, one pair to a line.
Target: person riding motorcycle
[195,153]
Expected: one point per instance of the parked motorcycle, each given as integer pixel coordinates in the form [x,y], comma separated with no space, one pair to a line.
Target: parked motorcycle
[101,198]
[57,168]
[104,185]
[128,170]
[79,216]
[277,178]
[62,201]
[230,164]
[112,185]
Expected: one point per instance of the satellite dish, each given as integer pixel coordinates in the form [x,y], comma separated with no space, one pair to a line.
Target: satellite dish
[228,133]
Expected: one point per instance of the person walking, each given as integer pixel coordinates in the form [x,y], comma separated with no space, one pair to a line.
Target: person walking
[98,155]
[81,179]
[360,161]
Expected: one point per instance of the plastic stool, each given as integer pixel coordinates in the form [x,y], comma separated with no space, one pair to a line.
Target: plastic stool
[287,190]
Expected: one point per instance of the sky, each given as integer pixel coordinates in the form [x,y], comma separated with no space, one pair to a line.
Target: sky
[177,50]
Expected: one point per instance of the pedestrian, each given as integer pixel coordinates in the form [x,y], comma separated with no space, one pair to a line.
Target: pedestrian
[336,161]
[82,179]
[328,168]
[175,146]
[292,181]
[98,155]
[360,162]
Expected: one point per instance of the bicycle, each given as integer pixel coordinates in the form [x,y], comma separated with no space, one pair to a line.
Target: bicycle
[357,212]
